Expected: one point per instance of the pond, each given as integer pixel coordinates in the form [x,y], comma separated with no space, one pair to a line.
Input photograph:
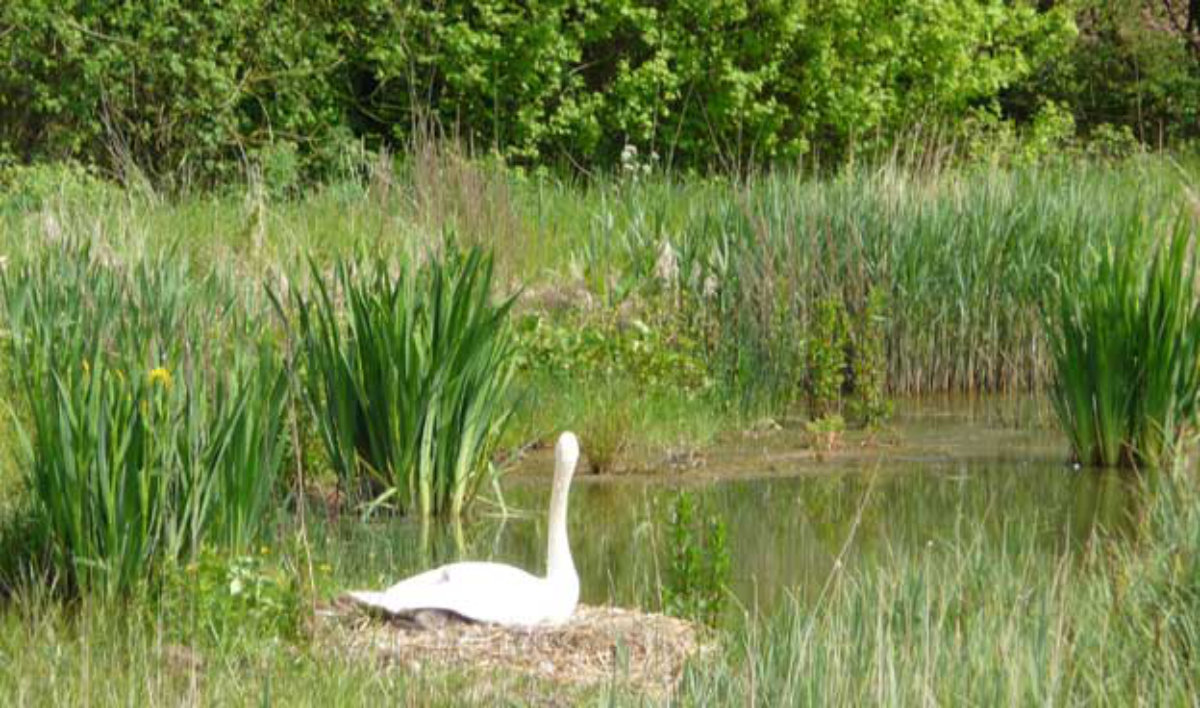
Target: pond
[946,467]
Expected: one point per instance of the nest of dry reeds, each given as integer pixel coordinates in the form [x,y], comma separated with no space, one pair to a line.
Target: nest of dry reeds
[638,651]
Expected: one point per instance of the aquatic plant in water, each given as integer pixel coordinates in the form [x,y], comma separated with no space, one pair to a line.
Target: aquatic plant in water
[698,572]
[1125,340]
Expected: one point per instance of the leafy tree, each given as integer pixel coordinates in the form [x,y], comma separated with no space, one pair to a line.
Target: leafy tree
[1136,64]
[188,87]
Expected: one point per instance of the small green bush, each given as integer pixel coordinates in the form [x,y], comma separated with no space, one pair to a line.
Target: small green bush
[217,599]
[826,358]
[870,404]
[600,346]
[824,433]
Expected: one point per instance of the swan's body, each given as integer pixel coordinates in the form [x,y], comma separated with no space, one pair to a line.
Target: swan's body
[494,592]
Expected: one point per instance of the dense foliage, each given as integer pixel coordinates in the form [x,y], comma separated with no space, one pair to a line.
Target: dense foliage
[1134,71]
[178,89]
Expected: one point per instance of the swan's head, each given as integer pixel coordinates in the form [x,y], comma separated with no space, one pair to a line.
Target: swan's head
[566,454]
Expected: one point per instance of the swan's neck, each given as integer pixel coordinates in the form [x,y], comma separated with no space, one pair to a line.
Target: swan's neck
[558,552]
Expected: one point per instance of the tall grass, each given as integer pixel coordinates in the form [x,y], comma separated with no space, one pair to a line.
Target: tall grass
[1125,337]
[961,259]
[410,381]
[985,621]
[154,419]
[961,256]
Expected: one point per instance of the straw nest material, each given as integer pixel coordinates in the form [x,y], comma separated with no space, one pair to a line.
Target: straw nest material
[599,646]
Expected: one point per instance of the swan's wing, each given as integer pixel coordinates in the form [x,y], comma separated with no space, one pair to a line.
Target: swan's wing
[395,599]
[430,578]
[486,592]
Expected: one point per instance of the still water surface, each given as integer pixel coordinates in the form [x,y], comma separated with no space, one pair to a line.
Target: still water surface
[949,468]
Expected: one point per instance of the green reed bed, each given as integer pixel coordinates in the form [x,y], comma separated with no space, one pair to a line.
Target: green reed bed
[964,261]
[962,256]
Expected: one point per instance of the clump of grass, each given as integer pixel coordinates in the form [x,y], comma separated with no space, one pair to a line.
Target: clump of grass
[148,437]
[825,434]
[607,426]
[410,381]
[1125,339]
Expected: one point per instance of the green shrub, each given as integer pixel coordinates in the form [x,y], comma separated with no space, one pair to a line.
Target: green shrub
[178,90]
[870,404]
[590,346]
[410,380]
[826,358]
[1125,340]
[824,433]
[218,599]
[1135,65]
[1108,142]
[33,187]
[171,90]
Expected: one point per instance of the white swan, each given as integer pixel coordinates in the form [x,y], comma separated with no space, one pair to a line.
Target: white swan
[494,592]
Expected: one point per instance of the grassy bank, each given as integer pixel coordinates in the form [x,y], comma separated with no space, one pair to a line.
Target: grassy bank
[698,295]
[650,314]
[961,255]
[963,622]
[971,617]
